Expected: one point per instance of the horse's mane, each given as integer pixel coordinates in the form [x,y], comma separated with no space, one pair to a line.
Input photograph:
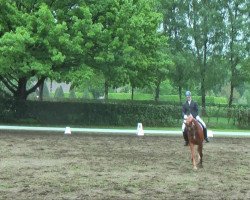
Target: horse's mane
[194,128]
[190,119]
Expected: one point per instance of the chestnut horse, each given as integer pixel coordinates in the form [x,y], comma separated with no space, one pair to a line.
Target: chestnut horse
[195,137]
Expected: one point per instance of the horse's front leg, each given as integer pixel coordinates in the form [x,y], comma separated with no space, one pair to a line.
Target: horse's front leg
[200,154]
[193,155]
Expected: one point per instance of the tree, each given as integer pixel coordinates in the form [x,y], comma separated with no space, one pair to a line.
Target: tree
[161,67]
[215,34]
[30,47]
[125,47]
[147,54]
[87,79]
[62,39]
[183,74]
[39,42]
[237,32]
[205,23]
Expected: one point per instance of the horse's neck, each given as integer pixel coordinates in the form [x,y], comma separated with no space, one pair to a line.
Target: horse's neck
[196,123]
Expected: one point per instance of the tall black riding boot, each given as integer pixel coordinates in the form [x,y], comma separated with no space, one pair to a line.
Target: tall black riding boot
[185,136]
[205,135]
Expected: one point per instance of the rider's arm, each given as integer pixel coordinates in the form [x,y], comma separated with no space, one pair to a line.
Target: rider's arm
[184,112]
[196,109]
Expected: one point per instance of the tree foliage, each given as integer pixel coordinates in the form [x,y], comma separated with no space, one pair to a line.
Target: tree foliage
[209,41]
[64,39]
[35,46]
[237,41]
[196,45]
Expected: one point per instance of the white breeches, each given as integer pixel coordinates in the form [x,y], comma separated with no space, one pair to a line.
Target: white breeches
[183,126]
[201,121]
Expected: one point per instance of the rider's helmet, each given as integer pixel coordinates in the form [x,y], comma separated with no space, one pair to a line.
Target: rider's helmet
[188,93]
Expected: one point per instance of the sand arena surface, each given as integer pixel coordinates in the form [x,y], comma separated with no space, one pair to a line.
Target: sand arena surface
[44,165]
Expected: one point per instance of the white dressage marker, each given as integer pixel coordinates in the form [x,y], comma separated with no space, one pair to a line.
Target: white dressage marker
[67,131]
[210,133]
[140,131]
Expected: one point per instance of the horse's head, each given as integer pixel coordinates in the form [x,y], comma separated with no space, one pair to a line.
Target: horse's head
[189,122]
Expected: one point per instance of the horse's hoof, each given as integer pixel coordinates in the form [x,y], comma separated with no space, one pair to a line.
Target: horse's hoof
[195,168]
[200,165]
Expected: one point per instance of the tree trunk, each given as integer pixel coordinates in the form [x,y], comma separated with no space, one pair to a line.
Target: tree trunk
[132,95]
[231,95]
[21,93]
[157,91]
[179,90]
[51,84]
[19,90]
[106,90]
[233,62]
[203,74]
[41,91]
[204,66]
[203,97]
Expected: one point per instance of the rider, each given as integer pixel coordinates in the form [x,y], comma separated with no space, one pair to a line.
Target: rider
[191,107]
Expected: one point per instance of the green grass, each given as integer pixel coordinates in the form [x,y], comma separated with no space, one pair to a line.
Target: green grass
[150,97]
[167,98]
[220,123]
[127,96]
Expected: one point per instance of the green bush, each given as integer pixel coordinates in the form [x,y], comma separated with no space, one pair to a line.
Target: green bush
[96,113]
[7,109]
[111,113]
[243,117]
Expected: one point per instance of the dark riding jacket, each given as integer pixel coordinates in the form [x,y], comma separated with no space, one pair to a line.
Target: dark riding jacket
[190,109]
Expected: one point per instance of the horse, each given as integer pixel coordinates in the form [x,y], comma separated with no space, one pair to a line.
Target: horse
[195,137]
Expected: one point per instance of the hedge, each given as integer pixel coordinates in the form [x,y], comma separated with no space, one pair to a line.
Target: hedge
[112,113]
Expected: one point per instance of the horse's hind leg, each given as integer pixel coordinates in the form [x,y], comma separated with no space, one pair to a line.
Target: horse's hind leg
[200,154]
